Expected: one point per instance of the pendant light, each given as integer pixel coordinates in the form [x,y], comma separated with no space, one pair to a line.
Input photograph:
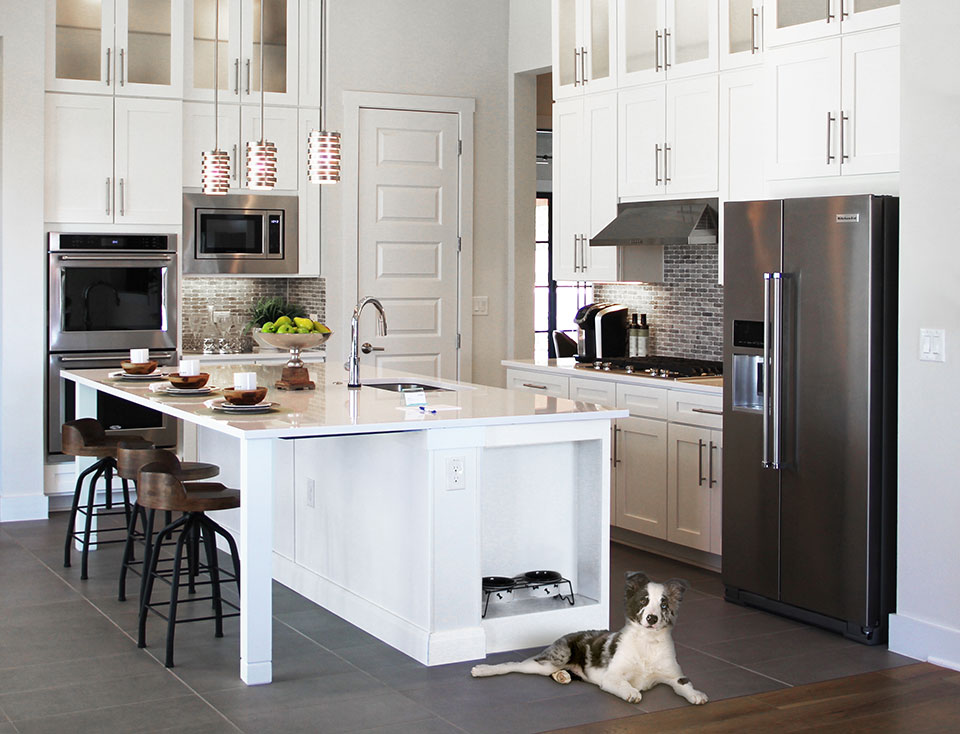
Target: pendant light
[323,148]
[215,164]
[261,155]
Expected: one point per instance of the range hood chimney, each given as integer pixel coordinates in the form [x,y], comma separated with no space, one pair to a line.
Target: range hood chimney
[641,230]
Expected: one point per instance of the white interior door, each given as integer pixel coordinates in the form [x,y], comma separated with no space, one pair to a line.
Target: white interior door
[408,228]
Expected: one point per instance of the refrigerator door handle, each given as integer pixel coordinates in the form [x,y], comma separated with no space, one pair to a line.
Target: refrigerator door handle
[765,456]
[777,365]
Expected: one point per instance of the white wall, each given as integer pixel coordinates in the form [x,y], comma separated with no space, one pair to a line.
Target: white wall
[529,35]
[22,262]
[454,48]
[927,623]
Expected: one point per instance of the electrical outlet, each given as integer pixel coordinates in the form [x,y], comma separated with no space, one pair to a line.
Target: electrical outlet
[456,473]
[481,306]
[311,493]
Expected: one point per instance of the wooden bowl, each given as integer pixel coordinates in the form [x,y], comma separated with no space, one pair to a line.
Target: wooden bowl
[188,382]
[244,397]
[139,368]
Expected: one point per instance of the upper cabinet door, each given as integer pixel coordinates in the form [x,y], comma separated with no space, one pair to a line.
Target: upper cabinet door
[741,33]
[80,53]
[599,44]
[690,160]
[860,15]
[691,38]
[566,49]
[642,133]
[600,177]
[149,48]
[199,135]
[201,36]
[568,189]
[789,21]
[640,41]
[278,43]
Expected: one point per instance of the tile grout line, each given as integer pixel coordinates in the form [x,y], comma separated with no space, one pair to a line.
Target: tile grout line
[742,667]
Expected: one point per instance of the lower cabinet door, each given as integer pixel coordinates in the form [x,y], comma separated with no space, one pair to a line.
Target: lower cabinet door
[640,473]
[688,486]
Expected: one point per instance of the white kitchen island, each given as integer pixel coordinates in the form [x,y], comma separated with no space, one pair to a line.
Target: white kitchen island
[389,517]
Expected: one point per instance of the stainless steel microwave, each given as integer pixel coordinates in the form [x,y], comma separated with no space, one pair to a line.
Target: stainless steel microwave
[240,234]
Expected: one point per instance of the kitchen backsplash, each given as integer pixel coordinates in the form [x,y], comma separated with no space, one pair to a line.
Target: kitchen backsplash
[685,312]
[237,295]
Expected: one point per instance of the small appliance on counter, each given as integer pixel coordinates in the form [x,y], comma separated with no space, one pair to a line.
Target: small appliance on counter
[602,331]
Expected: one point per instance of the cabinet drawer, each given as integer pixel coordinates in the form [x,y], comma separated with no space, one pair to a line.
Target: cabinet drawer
[599,392]
[698,409]
[538,382]
[646,402]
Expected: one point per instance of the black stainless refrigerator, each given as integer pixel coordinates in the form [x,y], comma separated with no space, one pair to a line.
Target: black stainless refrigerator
[809,413]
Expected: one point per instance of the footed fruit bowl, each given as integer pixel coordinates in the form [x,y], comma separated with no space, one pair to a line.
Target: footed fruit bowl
[295,343]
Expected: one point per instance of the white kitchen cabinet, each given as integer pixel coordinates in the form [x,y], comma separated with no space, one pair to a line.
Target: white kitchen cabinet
[239,50]
[666,39]
[112,160]
[282,128]
[692,475]
[598,392]
[584,187]
[555,386]
[791,21]
[741,33]
[669,138]
[309,250]
[640,475]
[584,47]
[742,135]
[122,47]
[834,106]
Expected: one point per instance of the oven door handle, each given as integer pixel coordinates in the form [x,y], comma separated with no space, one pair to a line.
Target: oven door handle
[113,258]
[108,357]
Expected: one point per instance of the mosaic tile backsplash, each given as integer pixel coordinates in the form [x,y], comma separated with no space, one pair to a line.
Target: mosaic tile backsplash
[237,295]
[685,312]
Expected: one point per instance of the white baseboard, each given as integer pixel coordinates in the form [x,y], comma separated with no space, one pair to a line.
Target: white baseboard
[23,507]
[923,640]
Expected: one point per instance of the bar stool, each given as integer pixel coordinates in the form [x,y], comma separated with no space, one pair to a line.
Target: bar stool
[86,437]
[160,489]
[131,457]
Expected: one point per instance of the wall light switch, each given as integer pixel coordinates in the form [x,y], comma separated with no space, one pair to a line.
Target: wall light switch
[933,345]
[481,306]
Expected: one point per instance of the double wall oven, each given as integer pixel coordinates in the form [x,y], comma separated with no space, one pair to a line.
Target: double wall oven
[108,294]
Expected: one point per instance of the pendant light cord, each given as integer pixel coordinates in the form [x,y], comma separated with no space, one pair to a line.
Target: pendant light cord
[323,60]
[262,85]
[216,77]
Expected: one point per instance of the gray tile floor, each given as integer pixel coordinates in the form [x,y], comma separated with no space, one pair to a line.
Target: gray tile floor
[69,661]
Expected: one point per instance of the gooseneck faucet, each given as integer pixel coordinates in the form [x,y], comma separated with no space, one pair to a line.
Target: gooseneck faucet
[354,364]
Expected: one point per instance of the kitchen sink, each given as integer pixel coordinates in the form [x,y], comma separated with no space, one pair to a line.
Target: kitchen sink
[405,386]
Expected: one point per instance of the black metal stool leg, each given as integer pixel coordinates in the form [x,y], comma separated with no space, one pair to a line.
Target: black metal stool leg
[234,553]
[148,521]
[127,507]
[110,464]
[78,490]
[127,553]
[193,557]
[185,538]
[151,574]
[92,493]
[209,542]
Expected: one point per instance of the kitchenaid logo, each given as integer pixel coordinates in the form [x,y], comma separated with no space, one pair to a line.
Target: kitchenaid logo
[848,218]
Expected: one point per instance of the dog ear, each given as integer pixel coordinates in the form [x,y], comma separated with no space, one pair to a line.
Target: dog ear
[673,589]
[636,580]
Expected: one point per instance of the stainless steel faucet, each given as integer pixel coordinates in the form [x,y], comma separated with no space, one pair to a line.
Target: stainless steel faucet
[354,363]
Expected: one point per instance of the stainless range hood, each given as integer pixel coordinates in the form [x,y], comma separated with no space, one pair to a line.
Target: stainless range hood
[641,230]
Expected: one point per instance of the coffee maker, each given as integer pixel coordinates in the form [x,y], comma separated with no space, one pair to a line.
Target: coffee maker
[602,331]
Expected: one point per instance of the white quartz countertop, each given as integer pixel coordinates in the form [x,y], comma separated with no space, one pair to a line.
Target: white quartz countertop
[568,366]
[333,409]
[278,356]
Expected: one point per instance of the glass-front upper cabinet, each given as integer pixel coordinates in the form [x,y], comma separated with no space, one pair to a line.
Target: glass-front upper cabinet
[584,46]
[789,21]
[129,47]
[667,39]
[741,33]
[239,50]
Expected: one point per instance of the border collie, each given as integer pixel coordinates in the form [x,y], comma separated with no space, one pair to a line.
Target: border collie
[623,663]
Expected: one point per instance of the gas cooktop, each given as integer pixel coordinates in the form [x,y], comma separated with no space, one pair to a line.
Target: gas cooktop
[665,368]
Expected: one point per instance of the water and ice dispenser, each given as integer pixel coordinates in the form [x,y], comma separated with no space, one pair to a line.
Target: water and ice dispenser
[747,377]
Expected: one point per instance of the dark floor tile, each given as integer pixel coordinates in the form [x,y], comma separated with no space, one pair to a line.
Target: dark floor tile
[62,645]
[89,670]
[327,629]
[713,629]
[733,682]
[7,728]
[424,726]
[36,587]
[694,662]
[129,718]
[222,726]
[751,650]
[814,667]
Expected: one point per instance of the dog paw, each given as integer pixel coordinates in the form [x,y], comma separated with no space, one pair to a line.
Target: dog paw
[480,671]
[633,697]
[562,677]
[697,697]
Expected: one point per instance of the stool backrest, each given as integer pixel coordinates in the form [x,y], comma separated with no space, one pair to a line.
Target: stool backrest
[159,489]
[133,456]
[80,433]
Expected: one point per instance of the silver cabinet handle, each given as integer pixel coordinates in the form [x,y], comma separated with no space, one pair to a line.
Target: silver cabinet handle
[367,347]
[236,76]
[576,66]
[656,51]
[248,75]
[616,440]
[108,67]
[535,387]
[844,119]
[754,16]
[666,49]
[843,10]
[656,163]
[121,198]
[765,454]
[120,75]
[583,65]
[830,120]
[666,164]
[700,478]
[830,16]
[777,366]
[108,195]
[706,411]
[576,250]
[233,164]
[710,463]
[583,253]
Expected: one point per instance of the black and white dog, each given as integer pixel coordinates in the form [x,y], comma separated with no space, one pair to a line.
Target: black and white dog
[623,663]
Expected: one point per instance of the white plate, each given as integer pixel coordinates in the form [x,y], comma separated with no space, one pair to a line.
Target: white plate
[223,406]
[169,389]
[121,375]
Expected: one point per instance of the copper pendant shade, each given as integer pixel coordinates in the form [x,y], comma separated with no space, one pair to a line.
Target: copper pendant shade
[323,157]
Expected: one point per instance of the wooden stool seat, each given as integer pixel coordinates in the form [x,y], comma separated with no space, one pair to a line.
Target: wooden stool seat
[200,497]
[86,437]
[191,471]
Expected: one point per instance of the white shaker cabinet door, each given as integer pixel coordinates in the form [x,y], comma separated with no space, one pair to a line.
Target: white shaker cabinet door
[568,189]
[640,41]
[599,42]
[870,121]
[280,43]
[566,49]
[862,15]
[149,48]
[691,43]
[803,93]
[199,135]
[282,130]
[742,135]
[149,156]
[741,33]
[641,129]
[80,54]
[688,488]
[692,142]
[640,475]
[600,179]
[791,21]
[79,180]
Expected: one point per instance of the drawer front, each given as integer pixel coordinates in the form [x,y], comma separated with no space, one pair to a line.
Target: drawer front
[642,401]
[599,392]
[697,409]
[538,382]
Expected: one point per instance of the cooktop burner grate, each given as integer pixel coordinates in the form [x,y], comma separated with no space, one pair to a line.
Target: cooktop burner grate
[655,366]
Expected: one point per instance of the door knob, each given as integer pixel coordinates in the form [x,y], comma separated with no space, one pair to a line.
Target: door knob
[367,347]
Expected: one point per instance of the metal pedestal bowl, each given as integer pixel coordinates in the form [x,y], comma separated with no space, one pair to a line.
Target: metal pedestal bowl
[295,343]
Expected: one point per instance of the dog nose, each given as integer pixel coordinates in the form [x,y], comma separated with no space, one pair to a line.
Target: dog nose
[651,619]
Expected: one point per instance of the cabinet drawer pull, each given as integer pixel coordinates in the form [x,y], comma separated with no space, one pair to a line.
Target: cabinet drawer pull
[108,72]
[236,76]
[844,119]
[666,164]
[535,387]
[830,120]
[656,163]
[706,410]
[576,65]
[710,465]
[122,207]
[700,478]
[248,76]
[120,75]
[754,16]
[583,66]
[108,195]
[616,440]
[666,49]
[830,16]
[233,164]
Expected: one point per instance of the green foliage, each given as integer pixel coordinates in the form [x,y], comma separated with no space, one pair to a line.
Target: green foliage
[270,309]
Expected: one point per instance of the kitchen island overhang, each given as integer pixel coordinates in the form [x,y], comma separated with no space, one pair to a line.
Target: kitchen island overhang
[390,517]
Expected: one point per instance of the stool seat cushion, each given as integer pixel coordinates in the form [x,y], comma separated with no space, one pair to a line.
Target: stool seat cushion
[193,470]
